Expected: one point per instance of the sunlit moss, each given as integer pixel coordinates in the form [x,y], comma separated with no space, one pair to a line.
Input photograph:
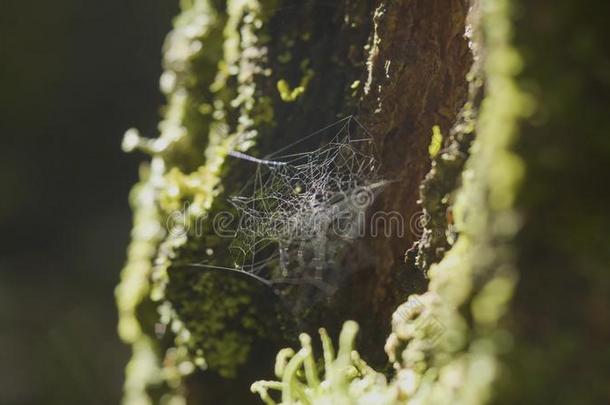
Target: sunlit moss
[436,142]
[289,95]
[201,308]
[344,377]
[183,132]
[212,60]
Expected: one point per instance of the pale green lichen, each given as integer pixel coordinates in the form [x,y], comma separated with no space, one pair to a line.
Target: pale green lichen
[184,131]
[436,142]
[213,60]
[344,378]
[288,94]
[199,319]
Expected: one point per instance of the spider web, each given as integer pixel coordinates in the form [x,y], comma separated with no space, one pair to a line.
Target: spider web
[301,210]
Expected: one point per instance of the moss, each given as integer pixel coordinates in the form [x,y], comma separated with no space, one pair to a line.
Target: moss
[436,142]
[227,80]
[144,368]
[219,317]
[184,131]
[289,95]
[201,314]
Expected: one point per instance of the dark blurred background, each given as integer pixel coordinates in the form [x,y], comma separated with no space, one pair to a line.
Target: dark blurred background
[74,75]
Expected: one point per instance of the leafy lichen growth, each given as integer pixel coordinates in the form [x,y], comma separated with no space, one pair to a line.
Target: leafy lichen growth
[200,313]
[212,59]
[344,378]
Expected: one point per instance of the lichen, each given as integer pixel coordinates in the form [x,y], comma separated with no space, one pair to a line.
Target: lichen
[183,175]
[204,324]
[437,190]
[289,95]
[436,142]
[344,378]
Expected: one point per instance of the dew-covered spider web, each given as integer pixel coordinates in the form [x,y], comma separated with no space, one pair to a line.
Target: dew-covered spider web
[301,209]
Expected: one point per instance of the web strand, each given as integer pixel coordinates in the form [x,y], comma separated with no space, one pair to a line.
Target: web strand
[288,218]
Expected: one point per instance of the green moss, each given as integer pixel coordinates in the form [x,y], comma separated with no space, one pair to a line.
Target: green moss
[227,81]
[206,314]
[217,316]
[344,378]
[190,59]
[437,191]
[144,368]
[289,95]
[436,142]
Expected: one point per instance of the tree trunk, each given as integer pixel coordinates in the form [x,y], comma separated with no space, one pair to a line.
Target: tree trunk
[504,286]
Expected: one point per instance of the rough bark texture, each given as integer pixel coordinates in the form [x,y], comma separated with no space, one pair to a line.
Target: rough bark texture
[416,78]
[254,76]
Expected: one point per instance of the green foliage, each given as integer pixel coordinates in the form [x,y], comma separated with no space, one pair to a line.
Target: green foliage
[219,319]
[289,95]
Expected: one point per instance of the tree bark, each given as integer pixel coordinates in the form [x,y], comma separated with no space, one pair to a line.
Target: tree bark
[254,76]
